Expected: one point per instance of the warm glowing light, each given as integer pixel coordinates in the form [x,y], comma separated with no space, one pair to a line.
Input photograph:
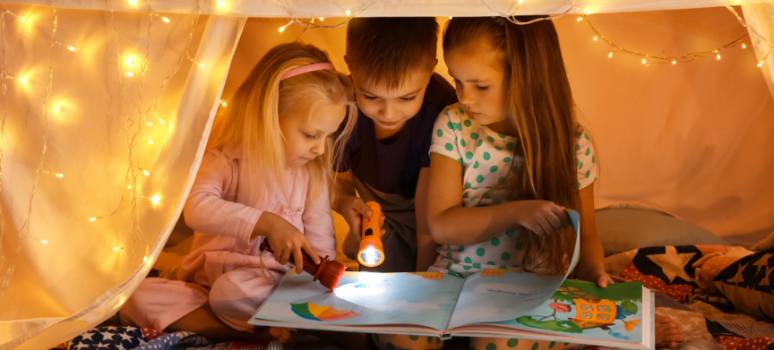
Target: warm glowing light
[162,121]
[59,175]
[223,103]
[145,172]
[717,56]
[132,64]
[26,22]
[282,28]
[610,54]
[370,256]
[61,108]
[155,200]
[521,2]
[118,248]
[321,18]
[201,65]
[71,48]
[149,123]
[579,18]
[23,80]
[348,12]
[149,141]
[644,61]
[92,219]
[133,3]
[43,241]
[760,64]
[221,5]
[165,19]
[744,46]
[674,62]
[595,38]
[144,259]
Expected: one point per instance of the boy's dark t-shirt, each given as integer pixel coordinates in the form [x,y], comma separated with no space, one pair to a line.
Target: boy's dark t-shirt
[386,171]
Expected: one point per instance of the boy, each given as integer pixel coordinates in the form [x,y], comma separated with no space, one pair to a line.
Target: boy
[399,97]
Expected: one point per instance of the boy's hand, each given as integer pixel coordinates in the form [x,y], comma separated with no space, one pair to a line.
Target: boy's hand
[540,217]
[353,210]
[285,240]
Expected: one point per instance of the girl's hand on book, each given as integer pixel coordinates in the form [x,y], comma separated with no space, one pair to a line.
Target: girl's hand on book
[285,240]
[540,217]
[598,276]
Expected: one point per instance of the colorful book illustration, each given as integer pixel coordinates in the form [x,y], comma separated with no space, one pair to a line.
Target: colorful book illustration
[491,303]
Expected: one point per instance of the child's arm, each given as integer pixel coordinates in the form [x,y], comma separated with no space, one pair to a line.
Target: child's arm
[352,208]
[207,211]
[425,245]
[451,223]
[591,266]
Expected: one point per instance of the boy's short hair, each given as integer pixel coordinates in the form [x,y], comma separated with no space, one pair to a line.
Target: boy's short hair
[384,50]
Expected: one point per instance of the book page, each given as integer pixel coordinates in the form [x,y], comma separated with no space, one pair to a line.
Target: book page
[494,295]
[618,315]
[363,298]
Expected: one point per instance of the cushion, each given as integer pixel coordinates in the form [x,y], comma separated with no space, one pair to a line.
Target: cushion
[748,282]
[622,229]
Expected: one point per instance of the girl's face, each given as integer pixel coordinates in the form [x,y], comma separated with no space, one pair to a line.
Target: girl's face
[479,79]
[306,131]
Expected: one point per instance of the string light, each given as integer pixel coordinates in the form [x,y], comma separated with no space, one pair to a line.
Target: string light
[155,200]
[348,12]
[223,103]
[44,241]
[71,48]
[145,172]
[149,141]
[133,3]
[94,218]
[165,19]
[647,58]
[744,45]
[117,248]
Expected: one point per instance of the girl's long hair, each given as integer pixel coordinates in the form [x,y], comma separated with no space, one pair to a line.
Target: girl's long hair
[539,106]
[251,123]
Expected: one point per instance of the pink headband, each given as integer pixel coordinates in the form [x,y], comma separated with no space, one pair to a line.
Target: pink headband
[306,69]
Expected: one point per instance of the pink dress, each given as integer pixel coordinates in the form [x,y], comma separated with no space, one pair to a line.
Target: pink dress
[224,267]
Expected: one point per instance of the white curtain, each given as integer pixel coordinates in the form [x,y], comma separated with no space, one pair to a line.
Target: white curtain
[103,122]
[106,106]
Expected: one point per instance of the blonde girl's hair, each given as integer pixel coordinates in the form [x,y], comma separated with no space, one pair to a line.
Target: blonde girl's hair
[251,123]
[539,105]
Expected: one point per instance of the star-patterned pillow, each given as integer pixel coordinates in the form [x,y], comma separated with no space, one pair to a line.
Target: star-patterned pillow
[108,338]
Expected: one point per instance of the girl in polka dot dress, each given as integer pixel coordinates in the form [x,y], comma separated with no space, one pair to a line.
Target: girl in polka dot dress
[506,161]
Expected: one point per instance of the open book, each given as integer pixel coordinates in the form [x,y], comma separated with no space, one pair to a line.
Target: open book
[490,303]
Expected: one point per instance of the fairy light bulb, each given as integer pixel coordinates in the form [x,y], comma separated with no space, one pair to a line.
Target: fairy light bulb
[223,103]
[717,56]
[744,46]
[201,65]
[610,54]
[44,241]
[162,121]
[59,175]
[149,123]
[118,248]
[165,19]
[144,259]
[221,5]
[521,2]
[149,141]
[92,218]
[644,61]
[760,64]
[145,172]
[23,80]
[348,12]
[133,3]
[155,200]
[321,18]
[595,38]
[71,48]
[282,28]
[579,18]
[674,62]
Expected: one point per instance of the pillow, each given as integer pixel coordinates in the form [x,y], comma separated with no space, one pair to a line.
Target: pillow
[622,229]
[747,283]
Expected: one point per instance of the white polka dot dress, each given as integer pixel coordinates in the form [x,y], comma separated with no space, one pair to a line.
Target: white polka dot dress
[490,170]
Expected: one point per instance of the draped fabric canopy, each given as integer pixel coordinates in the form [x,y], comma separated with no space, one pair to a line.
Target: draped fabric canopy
[106,107]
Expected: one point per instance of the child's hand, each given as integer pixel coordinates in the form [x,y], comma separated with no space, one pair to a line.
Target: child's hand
[541,217]
[285,240]
[353,211]
[598,276]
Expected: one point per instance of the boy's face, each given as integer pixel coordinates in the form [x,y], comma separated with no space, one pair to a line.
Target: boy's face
[390,109]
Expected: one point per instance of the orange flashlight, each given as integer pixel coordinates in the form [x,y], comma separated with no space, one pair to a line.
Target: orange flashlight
[371,252]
